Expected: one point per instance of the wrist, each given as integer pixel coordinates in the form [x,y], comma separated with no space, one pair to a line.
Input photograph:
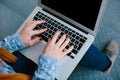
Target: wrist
[19,41]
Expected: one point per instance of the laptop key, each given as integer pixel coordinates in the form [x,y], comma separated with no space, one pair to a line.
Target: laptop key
[69,54]
[35,18]
[72,57]
[74,51]
[82,40]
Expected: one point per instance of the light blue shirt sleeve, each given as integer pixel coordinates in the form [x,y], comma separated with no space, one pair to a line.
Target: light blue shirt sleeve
[12,43]
[47,68]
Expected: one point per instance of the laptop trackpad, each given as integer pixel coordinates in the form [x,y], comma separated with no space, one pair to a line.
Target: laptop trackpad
[34,51]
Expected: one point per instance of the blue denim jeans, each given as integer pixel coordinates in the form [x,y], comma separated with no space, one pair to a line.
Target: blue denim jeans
[93,58]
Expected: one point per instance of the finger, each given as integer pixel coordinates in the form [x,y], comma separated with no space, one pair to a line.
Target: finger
[35,23]
[68,50]
[30,21]
[36,40]
[39,31]
[55,37]
[65,43]
[61,40]
[48,41]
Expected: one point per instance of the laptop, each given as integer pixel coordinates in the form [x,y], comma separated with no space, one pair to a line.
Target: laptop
[78,19]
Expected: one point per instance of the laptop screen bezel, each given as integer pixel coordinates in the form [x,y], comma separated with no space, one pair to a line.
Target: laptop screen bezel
[97,25]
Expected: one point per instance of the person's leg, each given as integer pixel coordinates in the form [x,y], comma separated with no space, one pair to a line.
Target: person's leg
[95,59]
[101,61]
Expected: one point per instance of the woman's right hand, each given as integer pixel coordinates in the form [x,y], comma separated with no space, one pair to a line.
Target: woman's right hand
[57,49]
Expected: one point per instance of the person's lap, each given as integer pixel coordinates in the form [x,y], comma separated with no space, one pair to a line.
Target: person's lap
[23,64]
[93,58]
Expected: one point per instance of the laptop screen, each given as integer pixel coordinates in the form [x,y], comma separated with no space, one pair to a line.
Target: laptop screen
[84,12]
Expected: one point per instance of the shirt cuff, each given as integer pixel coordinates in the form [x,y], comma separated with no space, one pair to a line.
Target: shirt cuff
[14,42]
[19,42]
[49,64]
[49,61]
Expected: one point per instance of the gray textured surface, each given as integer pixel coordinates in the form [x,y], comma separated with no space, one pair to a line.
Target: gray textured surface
[9,21]
[13,13]
[20,7]
[81,73]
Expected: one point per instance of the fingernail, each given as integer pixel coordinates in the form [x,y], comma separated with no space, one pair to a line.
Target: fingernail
[43,21]
[41,39]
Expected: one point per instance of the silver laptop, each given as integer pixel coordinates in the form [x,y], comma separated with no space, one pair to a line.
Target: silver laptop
[78,19]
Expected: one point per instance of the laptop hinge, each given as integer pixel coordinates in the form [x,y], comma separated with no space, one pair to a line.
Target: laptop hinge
[66,21]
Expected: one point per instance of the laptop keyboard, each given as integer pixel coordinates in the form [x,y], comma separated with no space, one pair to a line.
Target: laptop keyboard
[76,39]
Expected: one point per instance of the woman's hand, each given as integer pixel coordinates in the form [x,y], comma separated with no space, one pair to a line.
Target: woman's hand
[27,33]
[57,49]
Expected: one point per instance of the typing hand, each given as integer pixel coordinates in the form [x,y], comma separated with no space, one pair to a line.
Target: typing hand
[57,49]
[27,32]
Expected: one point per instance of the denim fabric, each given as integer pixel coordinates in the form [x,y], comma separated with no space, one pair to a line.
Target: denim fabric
[95,59]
